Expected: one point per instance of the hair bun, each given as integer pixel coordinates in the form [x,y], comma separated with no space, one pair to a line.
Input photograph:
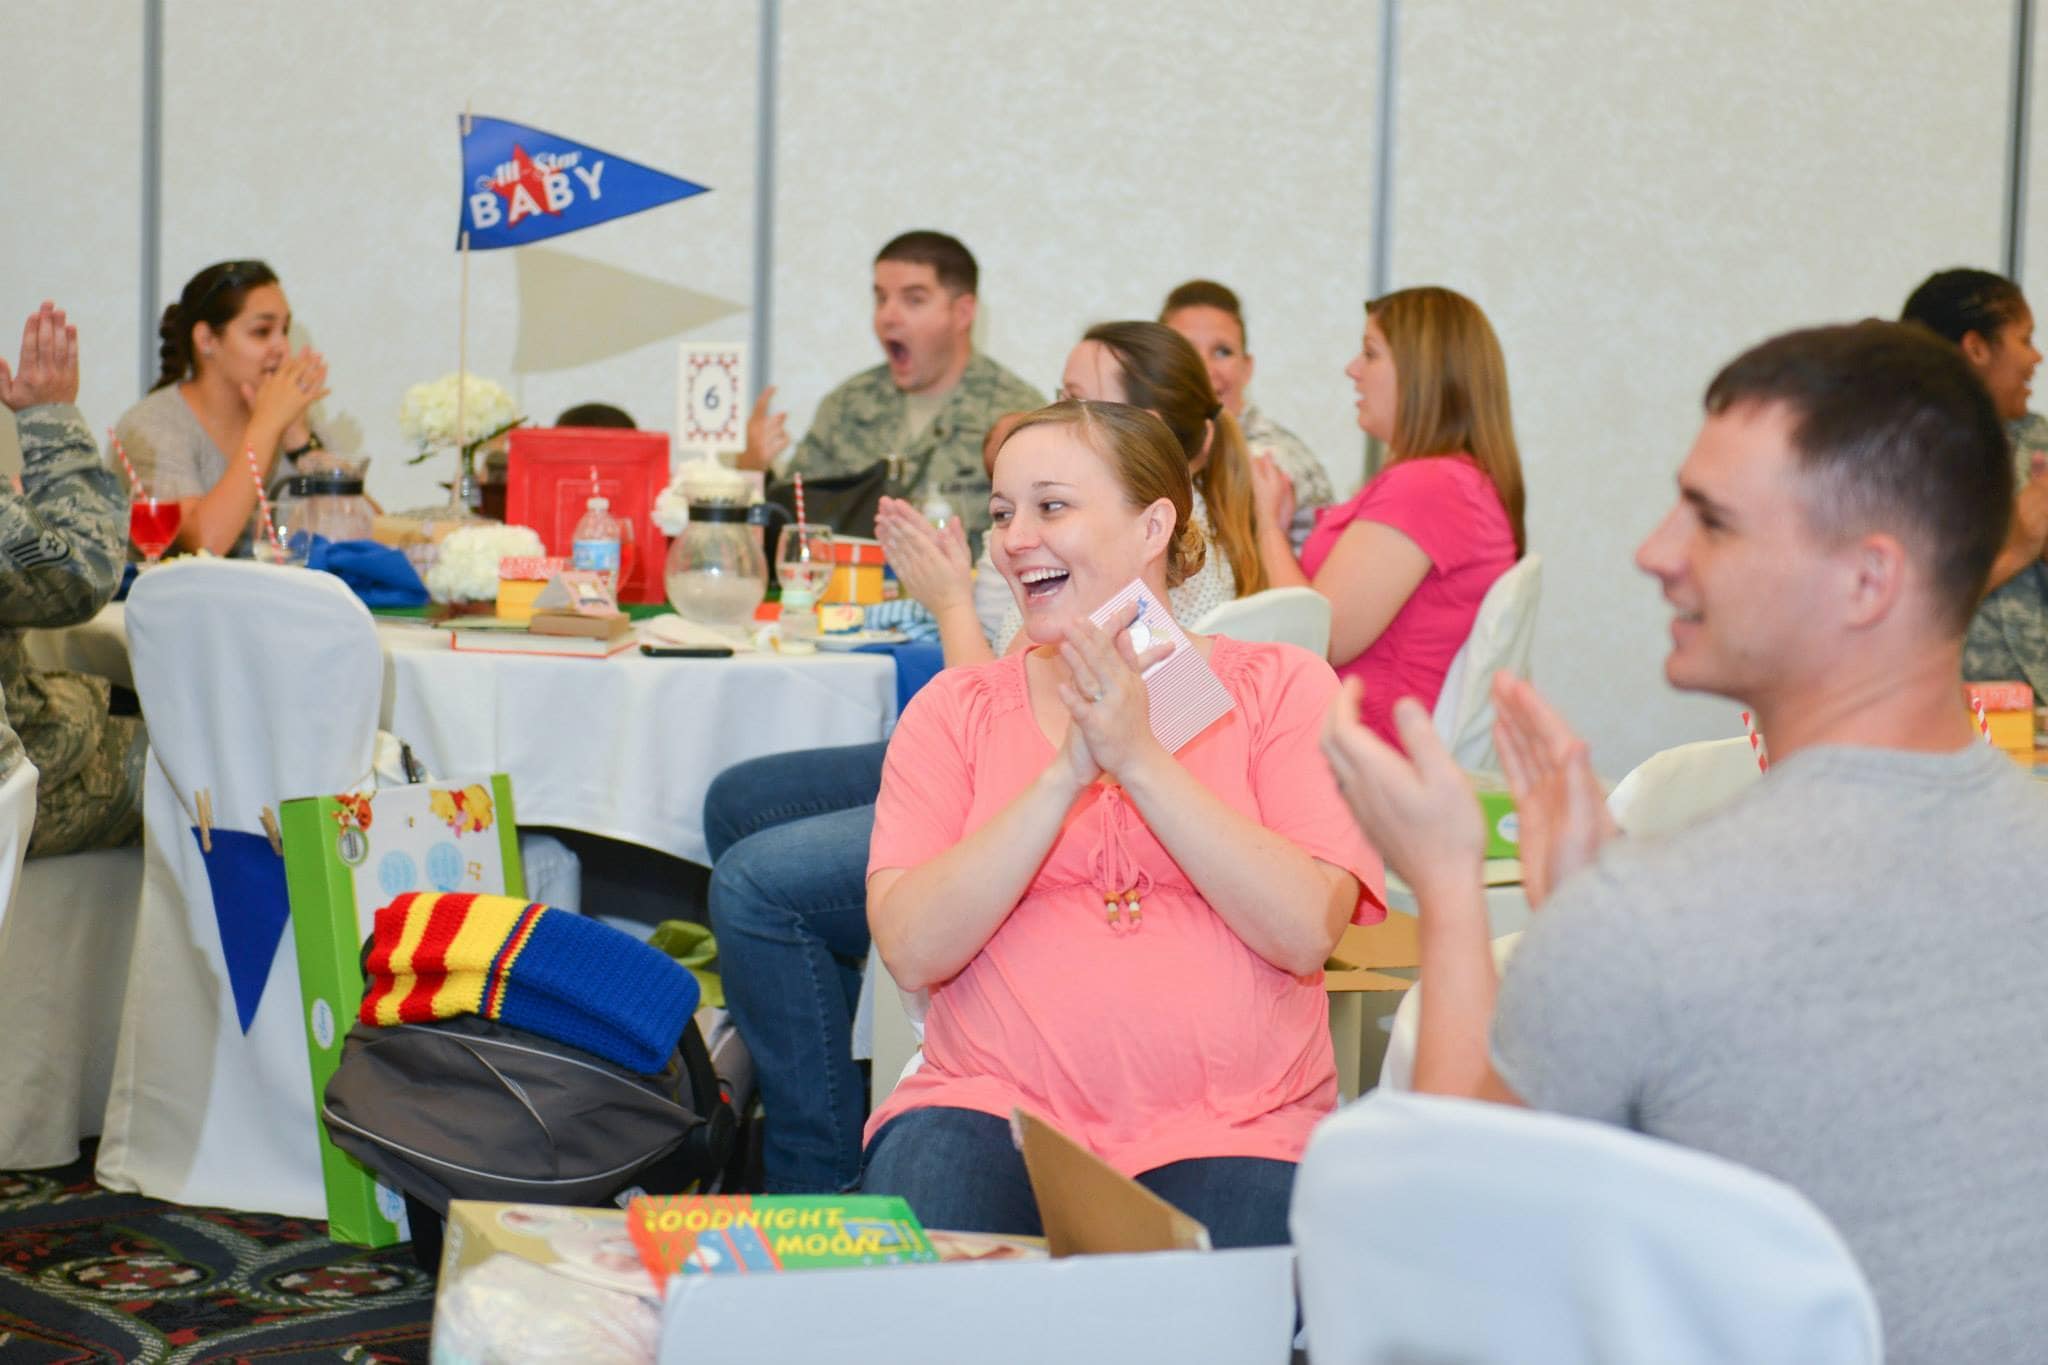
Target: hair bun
[1190,550]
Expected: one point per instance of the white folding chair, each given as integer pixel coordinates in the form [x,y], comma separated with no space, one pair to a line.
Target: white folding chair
[1295,616]
[67,926]
[258,683]
[1666,791]
[1530,1236]
[1502,635]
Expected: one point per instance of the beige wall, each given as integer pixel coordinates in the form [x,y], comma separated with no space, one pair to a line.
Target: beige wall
[1632,192]
[1636,193]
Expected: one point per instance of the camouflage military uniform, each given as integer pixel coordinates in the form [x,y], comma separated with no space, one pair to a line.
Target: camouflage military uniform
[861,422]
[62,544]
[2008,637]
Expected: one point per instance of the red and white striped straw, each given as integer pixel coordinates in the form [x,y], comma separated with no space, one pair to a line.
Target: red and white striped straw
[1756,744]
[262,499]
[1983,723]
[134,483]
[802,534]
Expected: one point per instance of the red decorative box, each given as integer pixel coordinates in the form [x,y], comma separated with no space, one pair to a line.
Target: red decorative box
[1999,696]
[548,484]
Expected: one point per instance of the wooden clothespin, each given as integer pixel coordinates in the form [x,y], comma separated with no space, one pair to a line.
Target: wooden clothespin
[276,835]
[202,803]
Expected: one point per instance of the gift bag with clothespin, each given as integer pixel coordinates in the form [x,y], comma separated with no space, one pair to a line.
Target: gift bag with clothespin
[344,856]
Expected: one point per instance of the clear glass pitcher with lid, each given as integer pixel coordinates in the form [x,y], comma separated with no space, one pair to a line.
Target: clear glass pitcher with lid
[717,569]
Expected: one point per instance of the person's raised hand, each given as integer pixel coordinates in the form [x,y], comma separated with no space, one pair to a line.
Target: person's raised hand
[48,370]
[1561,811]
[1416,809]
[285,394]
[1273,492]
[931,562]
[1105,692]
[767,434]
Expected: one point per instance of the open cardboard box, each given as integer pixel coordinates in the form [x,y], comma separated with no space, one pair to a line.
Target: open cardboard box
[1130,1278]
[1364,992]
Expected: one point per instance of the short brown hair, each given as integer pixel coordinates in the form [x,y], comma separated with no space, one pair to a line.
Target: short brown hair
[1207,294]
[1451,388]
[1148,464]
[949,259]
[1893,431]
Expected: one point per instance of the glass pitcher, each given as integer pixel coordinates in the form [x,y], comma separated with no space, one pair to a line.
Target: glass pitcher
[717,570]
[325,498]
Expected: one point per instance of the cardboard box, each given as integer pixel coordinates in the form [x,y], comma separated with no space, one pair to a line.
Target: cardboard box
[344,856]
[1364,992]
[1124,1283]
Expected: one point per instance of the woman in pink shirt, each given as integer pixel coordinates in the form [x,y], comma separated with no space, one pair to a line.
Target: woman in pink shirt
[1407,561]
[1123,940]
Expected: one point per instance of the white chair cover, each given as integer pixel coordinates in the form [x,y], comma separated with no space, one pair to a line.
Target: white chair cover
[1666,791]
[65,949]
[1295,616]
[258,684]
[1502,635]
[1525,1236]
[17,822]
[1674,787]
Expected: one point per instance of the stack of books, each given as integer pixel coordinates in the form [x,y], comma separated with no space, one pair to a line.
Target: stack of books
[546,632]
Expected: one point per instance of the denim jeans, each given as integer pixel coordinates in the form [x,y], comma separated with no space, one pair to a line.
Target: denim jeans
[789,844]
[961,1172]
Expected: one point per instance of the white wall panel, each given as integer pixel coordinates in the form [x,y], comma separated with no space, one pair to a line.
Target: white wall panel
[321,137]
[1092,156]
[71,164]
[1635,193]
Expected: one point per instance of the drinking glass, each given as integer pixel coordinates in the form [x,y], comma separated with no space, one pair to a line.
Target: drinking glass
[153,525]
[803,565]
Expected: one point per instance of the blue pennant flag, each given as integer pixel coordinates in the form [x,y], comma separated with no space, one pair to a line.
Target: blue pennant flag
[251,907]
[522,185]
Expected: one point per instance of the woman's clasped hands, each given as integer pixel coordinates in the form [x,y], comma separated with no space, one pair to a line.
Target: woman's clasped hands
[1108,708]
[931,562]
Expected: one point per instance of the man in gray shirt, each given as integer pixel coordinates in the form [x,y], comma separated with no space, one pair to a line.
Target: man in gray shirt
[1837,978]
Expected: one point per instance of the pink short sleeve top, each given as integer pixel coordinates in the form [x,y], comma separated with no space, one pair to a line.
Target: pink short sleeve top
[1150,1044]
[1446,505]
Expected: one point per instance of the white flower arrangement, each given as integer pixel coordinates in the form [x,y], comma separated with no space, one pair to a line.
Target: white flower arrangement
[465,568]
[427,415]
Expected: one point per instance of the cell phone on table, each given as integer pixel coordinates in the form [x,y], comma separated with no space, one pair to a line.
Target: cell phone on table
[687,651]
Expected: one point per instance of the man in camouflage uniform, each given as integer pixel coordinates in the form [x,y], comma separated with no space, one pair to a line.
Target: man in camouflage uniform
[63,539]
[2008,637]
[925,409]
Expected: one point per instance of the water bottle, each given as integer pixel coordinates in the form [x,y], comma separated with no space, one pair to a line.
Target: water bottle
[595,543]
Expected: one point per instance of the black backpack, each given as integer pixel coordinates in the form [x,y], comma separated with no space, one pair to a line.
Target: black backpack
[472,1108]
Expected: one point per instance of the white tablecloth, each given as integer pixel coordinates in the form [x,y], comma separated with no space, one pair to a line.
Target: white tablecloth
[623,747]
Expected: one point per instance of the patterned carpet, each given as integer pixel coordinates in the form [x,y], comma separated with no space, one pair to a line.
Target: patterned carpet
[88,1275]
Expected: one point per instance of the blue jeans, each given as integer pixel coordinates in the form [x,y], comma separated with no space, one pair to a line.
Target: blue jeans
[789,848]
[960,1171]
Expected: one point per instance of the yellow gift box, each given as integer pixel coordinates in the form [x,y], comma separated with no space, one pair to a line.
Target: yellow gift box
[520,579]
[857,577]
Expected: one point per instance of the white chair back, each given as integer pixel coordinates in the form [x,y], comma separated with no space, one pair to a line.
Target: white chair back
[1529,1236]
[258,684]
[1502,635]
[1295,616]
[17,822]
[1674,787]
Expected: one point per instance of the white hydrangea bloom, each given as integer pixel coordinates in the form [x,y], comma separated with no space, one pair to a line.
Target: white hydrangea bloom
[465,567]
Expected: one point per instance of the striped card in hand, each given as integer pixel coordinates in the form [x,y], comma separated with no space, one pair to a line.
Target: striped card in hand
[1183,693]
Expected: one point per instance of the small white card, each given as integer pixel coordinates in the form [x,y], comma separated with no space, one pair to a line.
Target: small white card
[1183,694]
[711,400]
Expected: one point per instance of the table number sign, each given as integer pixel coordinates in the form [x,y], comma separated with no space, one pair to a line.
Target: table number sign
[711,400]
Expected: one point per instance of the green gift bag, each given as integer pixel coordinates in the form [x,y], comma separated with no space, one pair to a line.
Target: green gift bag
[344,857]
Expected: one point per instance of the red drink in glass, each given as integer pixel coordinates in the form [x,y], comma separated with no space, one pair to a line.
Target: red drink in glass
[153,525]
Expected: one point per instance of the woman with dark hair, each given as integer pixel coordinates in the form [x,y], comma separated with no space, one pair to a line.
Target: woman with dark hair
[1987,316]
[230,390]
[1407,561]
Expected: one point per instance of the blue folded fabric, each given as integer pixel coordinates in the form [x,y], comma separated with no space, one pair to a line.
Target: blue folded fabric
[379,574]
[916,665]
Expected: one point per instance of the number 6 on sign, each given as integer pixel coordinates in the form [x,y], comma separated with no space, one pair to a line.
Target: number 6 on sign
[711,408]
